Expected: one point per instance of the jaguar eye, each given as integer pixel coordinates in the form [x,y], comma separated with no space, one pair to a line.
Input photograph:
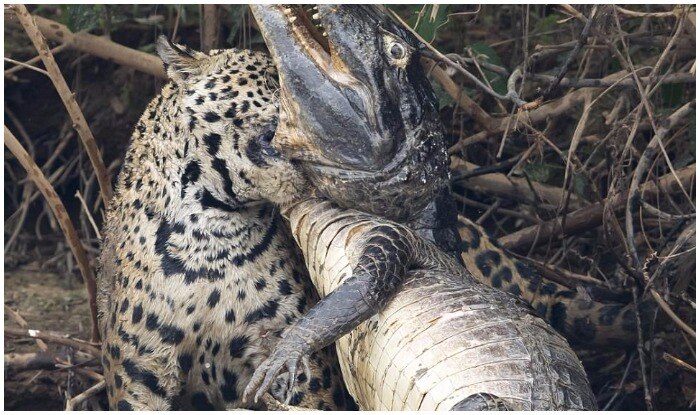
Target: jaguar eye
[265,142]
[397,50]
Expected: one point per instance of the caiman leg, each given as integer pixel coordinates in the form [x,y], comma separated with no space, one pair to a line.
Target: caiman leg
[387,254]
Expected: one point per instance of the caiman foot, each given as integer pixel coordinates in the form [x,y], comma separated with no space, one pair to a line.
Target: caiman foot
[481,402]
[286,355]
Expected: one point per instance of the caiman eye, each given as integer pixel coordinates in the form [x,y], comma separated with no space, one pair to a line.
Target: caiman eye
[397,50]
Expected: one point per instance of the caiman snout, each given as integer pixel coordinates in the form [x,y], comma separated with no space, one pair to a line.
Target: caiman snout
[320,100]
[356,110]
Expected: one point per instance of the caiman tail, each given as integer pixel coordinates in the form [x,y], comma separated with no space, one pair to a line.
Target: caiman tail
[443,341]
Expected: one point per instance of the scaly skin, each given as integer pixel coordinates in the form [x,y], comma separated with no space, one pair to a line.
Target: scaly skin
[424,335]
[363,123]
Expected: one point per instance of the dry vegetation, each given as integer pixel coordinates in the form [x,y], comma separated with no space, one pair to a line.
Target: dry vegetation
[572,134]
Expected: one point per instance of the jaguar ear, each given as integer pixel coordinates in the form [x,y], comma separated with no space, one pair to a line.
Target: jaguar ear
[180,62]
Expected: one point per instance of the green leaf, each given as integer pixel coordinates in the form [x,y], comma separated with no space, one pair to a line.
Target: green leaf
[544,25]
[672,94]
[544,172]
[84,17]
[444,99]
[580,185]
[484,53]
[429,19]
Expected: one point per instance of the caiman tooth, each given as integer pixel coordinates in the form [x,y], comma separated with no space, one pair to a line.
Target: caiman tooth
[314,8]
[292,19]
[325,34]
[315,16]
[287,11]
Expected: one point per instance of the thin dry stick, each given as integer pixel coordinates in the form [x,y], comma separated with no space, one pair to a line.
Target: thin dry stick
[79,122]
[470,107]
[23,323]
[643,167]
[34,60]
[592,216]
[640,350]
[27,66]
[645,94]
[101,47]
[576,137]
[667,309]
[78,399]
[512,188]
[177,22]
[678,362]
[546,111]
[53,338]
[631,13]
[438,56]
[59,210]
[671,78]
[582,39]
[622,382]
[23,209]
[89,215]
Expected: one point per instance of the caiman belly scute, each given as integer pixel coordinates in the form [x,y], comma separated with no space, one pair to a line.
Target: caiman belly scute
[443,337]
[454,335]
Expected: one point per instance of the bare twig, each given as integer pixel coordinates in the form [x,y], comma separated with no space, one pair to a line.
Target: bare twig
[100,47]
[23,323]
[640,350]
[438,56]
[53,338]
[32,61]
[678,362]
[667,309]
[72,403]
[509,187]
[27,66]
[631,13]
[470,107]
[541,113]
[20,362]
[59,210]
[79,122]
[643,167]
[89,215]
[582,39]
[622,382]
[592,216]
[680,78]
[484,206]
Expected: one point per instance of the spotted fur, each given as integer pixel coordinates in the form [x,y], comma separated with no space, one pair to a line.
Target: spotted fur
[583,320]
[198,275]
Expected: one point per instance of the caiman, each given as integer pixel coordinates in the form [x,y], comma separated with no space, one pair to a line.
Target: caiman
[359,116]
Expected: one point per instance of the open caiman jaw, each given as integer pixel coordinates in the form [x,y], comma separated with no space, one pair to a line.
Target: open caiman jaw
[356,110]
[320,102]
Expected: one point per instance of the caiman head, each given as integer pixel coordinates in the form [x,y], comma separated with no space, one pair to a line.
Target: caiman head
[356,110]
